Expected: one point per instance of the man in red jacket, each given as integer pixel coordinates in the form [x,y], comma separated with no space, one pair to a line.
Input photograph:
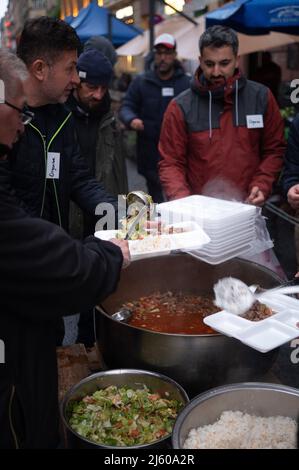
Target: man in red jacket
[223,136]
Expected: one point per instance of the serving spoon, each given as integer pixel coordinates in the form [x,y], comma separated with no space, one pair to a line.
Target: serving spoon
[236,297]
[123,315]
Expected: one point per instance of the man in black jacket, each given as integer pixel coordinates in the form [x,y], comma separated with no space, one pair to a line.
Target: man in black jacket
[43,273]
[290,183]
[101,145]
[290,175]
[98,134]
[48,169]
[145,103]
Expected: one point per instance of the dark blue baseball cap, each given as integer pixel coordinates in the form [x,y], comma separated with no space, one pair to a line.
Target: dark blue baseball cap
[94,68]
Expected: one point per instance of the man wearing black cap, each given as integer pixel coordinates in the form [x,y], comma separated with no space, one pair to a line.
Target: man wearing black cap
[99,137]
[145,103]
[100,142]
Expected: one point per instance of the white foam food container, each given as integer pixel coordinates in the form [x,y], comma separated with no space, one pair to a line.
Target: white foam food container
[225,244]
[211,212]
[192,238]
[263,335]
[220,258]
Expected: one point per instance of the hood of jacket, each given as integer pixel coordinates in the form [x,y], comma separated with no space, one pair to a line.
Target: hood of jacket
[228,92]
[200,85]
[102,44]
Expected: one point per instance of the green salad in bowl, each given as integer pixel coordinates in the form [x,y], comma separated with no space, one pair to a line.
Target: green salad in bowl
[122,416]
[128,408]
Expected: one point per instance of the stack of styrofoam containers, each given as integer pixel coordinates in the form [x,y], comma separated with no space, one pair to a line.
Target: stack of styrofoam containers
[230,225]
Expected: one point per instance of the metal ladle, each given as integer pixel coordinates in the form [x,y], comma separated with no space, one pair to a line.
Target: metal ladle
[236,297]
[139,197]
[142,203]
[123,315]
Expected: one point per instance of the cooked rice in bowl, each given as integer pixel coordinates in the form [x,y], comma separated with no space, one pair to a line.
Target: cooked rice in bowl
[238,430]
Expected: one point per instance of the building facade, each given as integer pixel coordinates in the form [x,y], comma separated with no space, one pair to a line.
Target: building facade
[18,11]
[130,11]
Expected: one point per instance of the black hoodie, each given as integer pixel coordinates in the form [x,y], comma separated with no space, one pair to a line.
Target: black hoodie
[44,275]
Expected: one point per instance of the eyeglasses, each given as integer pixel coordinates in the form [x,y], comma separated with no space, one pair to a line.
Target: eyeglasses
[25,115]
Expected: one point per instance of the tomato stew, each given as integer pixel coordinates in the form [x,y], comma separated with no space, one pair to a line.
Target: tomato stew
[172,313]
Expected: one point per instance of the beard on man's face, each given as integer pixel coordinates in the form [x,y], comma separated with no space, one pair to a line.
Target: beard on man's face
[164,68]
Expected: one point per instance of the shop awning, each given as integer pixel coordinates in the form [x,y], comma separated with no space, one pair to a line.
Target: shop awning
[258,16]
[187,36]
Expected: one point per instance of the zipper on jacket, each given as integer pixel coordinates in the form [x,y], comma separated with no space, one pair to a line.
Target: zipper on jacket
[46,150]
[13,432]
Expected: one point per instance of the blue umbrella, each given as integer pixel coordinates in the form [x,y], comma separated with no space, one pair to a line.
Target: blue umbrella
[68,19]
[94,21]
[258,16]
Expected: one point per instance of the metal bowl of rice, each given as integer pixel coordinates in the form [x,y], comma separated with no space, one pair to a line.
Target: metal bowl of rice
[240,416]
[112,410]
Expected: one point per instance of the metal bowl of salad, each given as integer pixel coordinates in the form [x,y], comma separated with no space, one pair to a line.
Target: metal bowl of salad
[122,408]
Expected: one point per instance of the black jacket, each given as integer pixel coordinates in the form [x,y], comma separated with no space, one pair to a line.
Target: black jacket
[52,130]
[290,175]
[101,144]
[144,100]
[44,274]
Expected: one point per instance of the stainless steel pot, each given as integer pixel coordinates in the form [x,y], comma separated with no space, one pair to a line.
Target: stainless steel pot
[259,399]
[197,362]
[132,378]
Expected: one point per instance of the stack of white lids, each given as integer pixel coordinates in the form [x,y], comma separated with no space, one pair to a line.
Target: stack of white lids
[230,225]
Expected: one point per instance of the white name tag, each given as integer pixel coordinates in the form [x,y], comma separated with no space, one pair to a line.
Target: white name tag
[167,91]
[53,165]
[255,121]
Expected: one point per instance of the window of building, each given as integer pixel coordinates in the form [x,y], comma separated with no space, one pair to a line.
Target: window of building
[39,4]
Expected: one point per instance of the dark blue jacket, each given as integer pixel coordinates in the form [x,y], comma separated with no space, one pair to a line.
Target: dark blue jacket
[52,130]
[144,101]
[290,174]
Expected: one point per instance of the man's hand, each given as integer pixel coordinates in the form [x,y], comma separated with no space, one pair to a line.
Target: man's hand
[124,246]
[256,197]
[293,196]
[137,125]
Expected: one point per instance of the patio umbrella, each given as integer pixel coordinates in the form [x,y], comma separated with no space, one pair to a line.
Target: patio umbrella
[68,19]
[258,16]
[94,21]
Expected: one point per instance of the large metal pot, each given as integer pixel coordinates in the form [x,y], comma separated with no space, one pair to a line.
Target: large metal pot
[258,399]
[197,362]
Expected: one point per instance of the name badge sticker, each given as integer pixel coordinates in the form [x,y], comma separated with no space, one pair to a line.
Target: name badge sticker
[255,121]
[53,165]
[167,91]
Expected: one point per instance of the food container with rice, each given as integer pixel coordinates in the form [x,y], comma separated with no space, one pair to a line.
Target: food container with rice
[240,416]
[162,240]
[123,408]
